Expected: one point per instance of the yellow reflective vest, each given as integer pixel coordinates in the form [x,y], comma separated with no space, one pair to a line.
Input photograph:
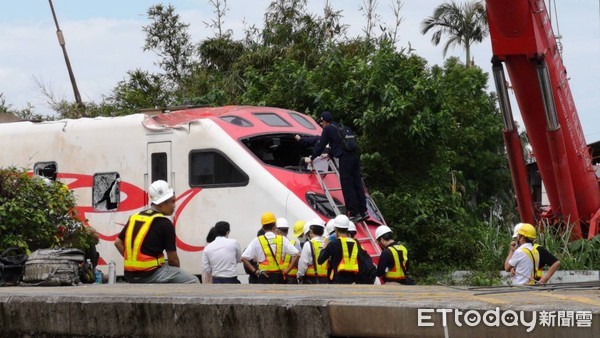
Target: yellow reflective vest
[287,260]
[349,263]
[316,247]
[135,260]
[397,272]
[534,255]
[272,260]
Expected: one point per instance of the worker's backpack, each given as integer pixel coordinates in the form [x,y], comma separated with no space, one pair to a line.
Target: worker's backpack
[367,271]
[347,138]
[12,262]
[53,267]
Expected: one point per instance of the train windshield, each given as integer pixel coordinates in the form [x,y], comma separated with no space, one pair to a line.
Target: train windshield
[280,150]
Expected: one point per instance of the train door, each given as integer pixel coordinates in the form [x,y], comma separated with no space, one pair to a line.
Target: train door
[159,164]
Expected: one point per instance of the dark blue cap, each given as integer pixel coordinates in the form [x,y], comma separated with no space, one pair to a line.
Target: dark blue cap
[326,116]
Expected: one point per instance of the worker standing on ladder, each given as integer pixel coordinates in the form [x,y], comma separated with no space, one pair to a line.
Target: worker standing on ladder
[349,167]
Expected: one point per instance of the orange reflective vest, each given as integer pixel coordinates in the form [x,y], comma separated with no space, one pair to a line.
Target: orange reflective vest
[316,247]
[287,260]
[349,263]
[272,260]
[534,255]
[135,260]
[397,272]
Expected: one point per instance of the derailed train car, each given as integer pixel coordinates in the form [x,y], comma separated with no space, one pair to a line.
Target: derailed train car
[228,163]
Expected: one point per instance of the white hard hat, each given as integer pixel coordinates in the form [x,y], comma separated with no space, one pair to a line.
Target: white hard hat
[318,221]
[382,230]
[282,223]
[306,228]
[517,228]
[159,192]
[351,226]
[330,227]
[341,221]
[315,221]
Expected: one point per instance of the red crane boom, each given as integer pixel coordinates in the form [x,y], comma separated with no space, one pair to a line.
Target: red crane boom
[523,40]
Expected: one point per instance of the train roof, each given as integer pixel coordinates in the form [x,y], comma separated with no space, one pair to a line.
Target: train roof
[240,120]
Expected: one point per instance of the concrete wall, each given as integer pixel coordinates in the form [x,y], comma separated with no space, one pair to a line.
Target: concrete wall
[124,310]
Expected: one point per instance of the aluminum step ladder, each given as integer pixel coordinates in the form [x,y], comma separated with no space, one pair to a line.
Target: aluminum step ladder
[331,168]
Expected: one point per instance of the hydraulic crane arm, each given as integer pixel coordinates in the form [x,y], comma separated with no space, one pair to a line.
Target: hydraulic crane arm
[523,40]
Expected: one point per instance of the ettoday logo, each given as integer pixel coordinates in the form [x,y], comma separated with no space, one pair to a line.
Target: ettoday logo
[497,318]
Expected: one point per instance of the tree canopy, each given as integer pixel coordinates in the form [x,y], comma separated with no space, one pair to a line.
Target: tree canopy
[431,135]
[464,24]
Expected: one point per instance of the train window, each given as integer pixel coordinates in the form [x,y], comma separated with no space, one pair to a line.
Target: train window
[46,169]
[303,121]
[212,169]
[106,191]
[159,167]
[320,204]
[272,119]
[238,121]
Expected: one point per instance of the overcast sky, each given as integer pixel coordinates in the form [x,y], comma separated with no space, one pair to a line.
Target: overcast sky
[104,40]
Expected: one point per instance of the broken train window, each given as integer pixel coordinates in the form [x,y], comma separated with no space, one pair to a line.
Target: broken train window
[46,169]
[106,192]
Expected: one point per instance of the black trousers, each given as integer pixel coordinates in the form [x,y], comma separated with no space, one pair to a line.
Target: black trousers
[225,280]
[352,185]
[274,278]
[315,280]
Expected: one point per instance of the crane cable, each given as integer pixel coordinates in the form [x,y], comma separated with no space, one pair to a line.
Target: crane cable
[558,36]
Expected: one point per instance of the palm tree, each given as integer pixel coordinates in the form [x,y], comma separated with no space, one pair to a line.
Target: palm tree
[463,23]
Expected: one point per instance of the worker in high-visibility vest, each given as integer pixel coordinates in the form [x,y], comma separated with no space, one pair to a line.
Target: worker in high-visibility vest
[283,229]
[146,236]
[523,258]
[546,260]
[342,254]
[308,271]
[269,250]
[393,262]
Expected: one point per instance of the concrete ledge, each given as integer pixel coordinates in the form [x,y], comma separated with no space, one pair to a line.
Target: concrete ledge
[125,310]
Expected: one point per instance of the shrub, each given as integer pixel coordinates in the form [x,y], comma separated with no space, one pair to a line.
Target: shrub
[37,213]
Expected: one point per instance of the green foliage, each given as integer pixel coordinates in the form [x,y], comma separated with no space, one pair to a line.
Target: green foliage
[141,90]
[169,38]
[582,254]
[431,136]
[38,214]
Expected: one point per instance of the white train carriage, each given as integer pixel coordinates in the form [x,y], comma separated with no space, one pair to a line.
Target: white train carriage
[229,163]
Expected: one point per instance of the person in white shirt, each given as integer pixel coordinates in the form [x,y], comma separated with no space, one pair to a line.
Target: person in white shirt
[523,259]
[221,256]
[313,231]
[270,251]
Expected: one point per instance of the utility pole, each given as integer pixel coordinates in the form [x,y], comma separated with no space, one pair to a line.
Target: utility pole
[61,41]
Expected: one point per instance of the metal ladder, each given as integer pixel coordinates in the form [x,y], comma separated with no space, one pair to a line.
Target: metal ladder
[332,169]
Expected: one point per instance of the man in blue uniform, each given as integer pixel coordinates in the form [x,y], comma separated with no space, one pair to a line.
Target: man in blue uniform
[349,167]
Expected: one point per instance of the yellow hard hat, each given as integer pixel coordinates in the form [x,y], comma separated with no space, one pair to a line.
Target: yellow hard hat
[527,230]
[298,228]
[267,218]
